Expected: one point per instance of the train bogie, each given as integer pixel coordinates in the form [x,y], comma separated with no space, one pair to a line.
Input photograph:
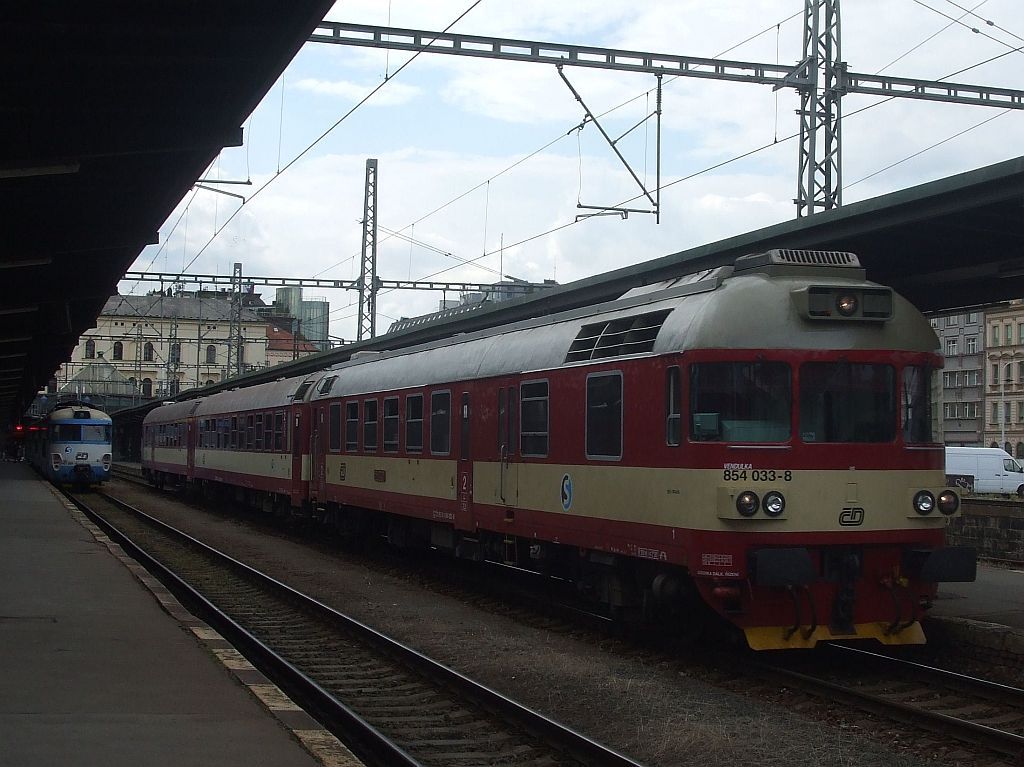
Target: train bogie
[753,441]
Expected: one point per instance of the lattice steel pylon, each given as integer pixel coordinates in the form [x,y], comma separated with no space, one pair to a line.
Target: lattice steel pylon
[368,265]
[235,340]
[820,167]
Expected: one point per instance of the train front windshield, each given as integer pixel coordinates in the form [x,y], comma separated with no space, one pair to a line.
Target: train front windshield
[847,402]
[839,402]
[81,432]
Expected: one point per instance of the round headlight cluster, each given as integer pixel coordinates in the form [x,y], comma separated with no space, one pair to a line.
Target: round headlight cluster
[774,504]
[748,503]
[846,304]
[924,502]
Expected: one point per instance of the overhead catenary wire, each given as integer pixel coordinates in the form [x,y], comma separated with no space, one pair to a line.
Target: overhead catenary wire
[927,40]
[988,22]
[975,30]
[324,135]
[574,129]
[731,160]
[562,136]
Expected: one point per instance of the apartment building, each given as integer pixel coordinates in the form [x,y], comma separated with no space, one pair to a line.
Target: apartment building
[961,401]
[1004,382]
[163,344]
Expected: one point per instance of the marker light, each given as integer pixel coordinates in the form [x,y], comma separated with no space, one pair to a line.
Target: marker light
[846,304]
[949,502]
[924,502]
[747,503]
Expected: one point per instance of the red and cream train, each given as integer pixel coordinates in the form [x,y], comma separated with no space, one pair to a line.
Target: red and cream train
[755,438]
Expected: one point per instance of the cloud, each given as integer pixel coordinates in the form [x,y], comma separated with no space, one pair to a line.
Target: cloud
[456,147]
[393,95]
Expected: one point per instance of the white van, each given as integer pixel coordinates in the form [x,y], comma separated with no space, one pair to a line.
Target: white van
[992,470]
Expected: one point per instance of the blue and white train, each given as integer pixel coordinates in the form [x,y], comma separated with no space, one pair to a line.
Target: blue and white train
[71,446]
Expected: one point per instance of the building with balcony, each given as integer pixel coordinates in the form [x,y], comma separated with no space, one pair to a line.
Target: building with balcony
[1004,379]
[960,404]
[162,344]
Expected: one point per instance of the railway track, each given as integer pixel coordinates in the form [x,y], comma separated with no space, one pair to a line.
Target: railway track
[957,706]
[390,704]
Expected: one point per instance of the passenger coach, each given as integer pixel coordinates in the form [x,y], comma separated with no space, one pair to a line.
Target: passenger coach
[755,439]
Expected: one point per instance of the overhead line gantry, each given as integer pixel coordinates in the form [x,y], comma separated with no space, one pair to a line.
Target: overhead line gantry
[821,78]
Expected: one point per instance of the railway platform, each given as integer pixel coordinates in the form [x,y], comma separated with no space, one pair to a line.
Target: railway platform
[100,666]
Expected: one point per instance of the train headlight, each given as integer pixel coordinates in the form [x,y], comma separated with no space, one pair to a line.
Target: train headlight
[774,504]
[924,502]
[106,461]
[56,461]
[846,304]
[747,503]
[949,502]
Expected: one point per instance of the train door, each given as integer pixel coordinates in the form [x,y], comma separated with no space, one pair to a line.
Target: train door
[318,424]
[464,516]
[508,473]
[300,472]
[190,445]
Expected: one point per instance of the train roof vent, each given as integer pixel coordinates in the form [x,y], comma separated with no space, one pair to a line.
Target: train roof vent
[301,391]
[615,338]
[794,257]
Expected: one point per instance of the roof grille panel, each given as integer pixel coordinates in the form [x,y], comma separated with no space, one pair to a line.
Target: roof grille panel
[795,257]
[617,338]
[817,257]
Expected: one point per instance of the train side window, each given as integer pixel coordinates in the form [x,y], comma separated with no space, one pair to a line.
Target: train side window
[268,431]
[279,440]
[917,406]
[673,406]
[370,425]
[250,432]
[234,432]
[533,428]
[604,415]
[441,423]
[259,431]
[391,425]
[351,426]
[414,423]
[335,427]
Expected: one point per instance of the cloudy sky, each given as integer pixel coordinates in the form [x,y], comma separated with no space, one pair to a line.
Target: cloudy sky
[482,159]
